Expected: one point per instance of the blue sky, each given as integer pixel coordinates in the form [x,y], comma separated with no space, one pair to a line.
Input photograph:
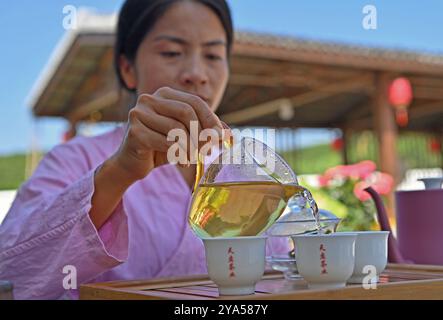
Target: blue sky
[29,31]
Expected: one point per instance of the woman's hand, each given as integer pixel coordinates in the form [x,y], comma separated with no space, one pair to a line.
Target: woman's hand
[145,145]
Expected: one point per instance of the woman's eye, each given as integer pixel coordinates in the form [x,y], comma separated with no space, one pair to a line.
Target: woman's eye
[170,54]
[213,57]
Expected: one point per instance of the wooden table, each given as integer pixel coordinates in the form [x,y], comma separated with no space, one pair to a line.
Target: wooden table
[396,282]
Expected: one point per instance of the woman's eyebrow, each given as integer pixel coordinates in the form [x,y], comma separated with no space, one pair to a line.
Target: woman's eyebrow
[214,43]
[172,39]
[182,41]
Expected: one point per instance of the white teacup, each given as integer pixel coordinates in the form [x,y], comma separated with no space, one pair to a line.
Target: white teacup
[235,264]
[325,261]
[371,256]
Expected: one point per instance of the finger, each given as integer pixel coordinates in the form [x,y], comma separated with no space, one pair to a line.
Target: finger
[178,110]
[165,126]
[207,117]
[149,139]
[227,133]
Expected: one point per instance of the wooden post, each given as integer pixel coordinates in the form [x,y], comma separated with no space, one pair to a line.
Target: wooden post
[385,128]
[386,132]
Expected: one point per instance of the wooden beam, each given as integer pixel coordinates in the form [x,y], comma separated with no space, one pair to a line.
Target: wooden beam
[364,83]
[283,80]
[344,57]
[359,111]
[240,97]
[262,109]
[426,110]
[354,112]
[360,117]
[415,113]
[426,81]
[427,92]
[270,67]
[83,111]
[361,124]
[248,64]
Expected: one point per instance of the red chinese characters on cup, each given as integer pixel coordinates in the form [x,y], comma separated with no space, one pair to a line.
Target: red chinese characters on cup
[323,263]
[231,262]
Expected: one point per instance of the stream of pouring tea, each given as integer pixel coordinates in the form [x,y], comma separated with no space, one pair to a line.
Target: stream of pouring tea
[227,143]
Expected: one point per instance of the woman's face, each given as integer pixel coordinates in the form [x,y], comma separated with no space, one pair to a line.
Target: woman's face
[185,50]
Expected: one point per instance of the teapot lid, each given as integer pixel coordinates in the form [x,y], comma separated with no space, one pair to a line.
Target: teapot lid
[432,183]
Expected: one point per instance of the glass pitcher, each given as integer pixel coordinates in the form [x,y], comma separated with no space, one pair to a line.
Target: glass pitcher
[244,191]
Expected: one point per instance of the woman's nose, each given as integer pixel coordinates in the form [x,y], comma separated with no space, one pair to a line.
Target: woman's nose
[194,73]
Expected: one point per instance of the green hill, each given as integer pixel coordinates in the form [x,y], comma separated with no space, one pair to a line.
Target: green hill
[314,159]
[413,149]
[12,171]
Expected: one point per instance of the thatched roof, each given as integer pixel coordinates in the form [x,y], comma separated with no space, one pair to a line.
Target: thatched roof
[275,81]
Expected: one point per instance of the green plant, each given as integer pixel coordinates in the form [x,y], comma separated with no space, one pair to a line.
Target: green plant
[342,192]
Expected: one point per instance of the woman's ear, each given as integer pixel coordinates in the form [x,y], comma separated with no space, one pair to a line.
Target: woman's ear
[127,72]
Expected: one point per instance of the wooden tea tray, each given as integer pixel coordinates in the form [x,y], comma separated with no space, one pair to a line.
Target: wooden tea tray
[396,282]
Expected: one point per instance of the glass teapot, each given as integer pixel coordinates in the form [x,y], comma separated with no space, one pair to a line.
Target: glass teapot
[244,190]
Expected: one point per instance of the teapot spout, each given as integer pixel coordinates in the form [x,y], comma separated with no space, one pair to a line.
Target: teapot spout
[394,254]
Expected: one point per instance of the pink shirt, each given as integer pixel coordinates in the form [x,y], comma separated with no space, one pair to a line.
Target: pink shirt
[48,226]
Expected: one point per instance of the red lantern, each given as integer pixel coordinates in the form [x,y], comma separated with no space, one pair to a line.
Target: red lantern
[400,97]
[435,145]
[337,144]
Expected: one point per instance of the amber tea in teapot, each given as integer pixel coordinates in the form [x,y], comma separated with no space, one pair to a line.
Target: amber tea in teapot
[246,198]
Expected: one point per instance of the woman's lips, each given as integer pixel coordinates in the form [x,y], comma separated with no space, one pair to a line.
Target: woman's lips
[201,96]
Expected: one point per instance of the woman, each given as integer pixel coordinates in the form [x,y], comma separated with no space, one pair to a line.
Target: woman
[111,207]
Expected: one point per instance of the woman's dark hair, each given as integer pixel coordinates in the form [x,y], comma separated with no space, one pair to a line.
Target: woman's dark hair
[137,17]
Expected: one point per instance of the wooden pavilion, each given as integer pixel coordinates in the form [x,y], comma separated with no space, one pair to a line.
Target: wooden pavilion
[275,81]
